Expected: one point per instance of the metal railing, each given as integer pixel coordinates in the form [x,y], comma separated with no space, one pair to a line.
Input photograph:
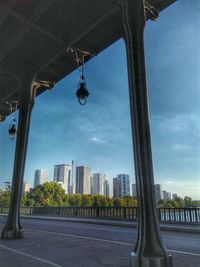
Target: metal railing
[179,215]
[165,215]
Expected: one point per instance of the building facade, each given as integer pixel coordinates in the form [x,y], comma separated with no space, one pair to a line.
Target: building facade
[121,186]
[41,177]
[71,187]
[83,180]
[166,196]
[134,190]
[98,184]
[169,195]
[26,188]
[116,193]
[106,189]
[124,185]
[62,175]
[158,192]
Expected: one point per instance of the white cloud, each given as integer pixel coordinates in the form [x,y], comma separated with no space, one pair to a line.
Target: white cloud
[96,140]
[181,148]
[182,124]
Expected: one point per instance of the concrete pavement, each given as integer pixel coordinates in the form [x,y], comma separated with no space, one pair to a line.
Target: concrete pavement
[61,243]
[186,228]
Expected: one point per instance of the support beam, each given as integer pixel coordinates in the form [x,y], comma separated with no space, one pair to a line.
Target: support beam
[13,229]
[149,250]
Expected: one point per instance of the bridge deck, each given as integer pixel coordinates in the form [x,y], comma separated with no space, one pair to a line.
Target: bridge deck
[58,243]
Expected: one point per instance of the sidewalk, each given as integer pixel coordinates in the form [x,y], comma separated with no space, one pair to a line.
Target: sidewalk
[163,226]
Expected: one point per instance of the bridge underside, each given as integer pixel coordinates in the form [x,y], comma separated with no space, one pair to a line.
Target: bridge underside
[35,35]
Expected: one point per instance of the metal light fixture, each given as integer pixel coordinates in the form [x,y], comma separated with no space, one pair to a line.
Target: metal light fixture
[13,129]
[82,92]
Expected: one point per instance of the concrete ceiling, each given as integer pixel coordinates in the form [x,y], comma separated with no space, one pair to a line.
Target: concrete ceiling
[35,35]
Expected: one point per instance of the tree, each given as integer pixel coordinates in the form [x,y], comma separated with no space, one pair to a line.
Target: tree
[109,201]
[188,202]
[118,202]
[130,201]
[75,200]
[48,194]
[104,201]
[179,202]
[96,201]
[161,203]
[86,201]
[5,196]
[171,204]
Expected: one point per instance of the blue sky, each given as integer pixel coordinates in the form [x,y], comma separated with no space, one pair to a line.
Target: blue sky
[99,134]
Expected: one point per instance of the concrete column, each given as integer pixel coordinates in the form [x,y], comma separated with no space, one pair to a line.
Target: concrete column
[149,250]
[13,229]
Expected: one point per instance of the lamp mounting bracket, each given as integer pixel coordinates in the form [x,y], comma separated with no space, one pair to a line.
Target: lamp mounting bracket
[80,55]
[46,84]
[151,11]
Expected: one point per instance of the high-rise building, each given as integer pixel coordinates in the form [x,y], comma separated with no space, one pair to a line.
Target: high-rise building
[83,180]
[134,190]
[174,196]
[98,184]
[124,185]
[62,175]
[158,192]
[91,185]
[106,189]
[121,186]
[41,177]
[71,187]
[26,188]
[169,195]
[116,193]
[166,196]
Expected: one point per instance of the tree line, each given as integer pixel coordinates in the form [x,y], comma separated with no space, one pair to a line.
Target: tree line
[52,194]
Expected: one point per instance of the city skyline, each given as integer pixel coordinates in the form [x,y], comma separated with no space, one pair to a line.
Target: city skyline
[97,184]
[99,134]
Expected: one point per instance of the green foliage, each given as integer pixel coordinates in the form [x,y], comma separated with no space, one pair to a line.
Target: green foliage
[109,202]
[118,202]
[130,201]
[101,201]
[179,202]
[96,201]
[86,201]
[173,203]
[48,194]
[188,202]
[75,200]
[5,196]
[161,203]
[52,194]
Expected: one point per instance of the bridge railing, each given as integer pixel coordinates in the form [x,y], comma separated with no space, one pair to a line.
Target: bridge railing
[165,215]
[179,215]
